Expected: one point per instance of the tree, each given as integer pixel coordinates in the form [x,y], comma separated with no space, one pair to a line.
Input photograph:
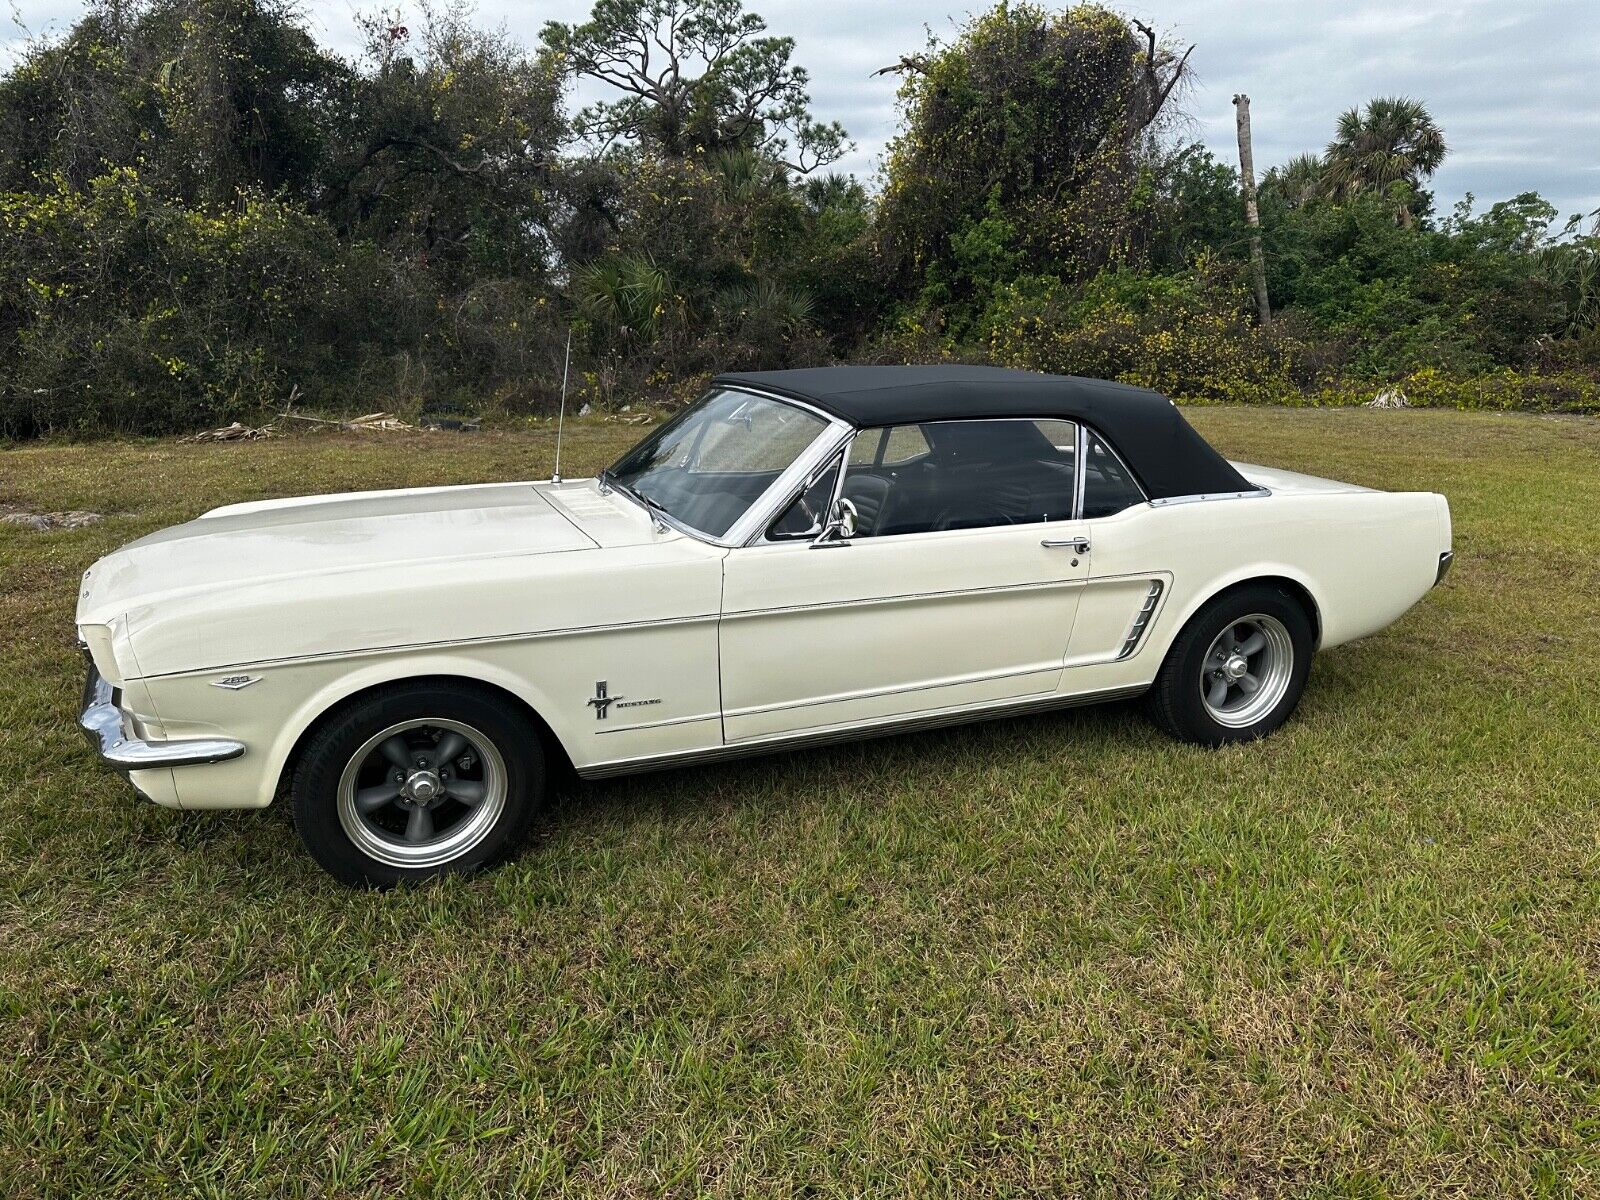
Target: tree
[1252,215]
[697,77]
[1027,140]
[1394,141]
[1194,208]
[1297,183]
[449,147]
[207,97]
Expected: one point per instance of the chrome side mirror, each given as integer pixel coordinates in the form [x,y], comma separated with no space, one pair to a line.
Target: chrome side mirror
[841,525]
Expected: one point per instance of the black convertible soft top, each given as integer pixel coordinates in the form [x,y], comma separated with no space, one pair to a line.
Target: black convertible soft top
[1159,446]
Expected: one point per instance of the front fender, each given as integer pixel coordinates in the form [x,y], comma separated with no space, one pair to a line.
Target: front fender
[272,715]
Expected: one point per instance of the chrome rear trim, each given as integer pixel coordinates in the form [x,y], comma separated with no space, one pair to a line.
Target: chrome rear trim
[1252,494]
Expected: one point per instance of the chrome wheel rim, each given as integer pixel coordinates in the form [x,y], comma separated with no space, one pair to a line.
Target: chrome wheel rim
[1246,672]
[422,793]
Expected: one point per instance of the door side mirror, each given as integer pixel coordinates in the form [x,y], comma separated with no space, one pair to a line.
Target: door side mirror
[841,525]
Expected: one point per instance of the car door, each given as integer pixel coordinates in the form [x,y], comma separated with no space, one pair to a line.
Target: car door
[958,591]
[1126,584]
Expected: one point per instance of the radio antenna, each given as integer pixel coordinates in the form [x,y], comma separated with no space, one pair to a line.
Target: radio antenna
[561,419]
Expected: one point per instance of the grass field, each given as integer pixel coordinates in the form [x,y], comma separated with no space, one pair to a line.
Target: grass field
[1054,956]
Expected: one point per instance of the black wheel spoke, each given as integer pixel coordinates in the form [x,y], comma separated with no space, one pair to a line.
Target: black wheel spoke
[450,747]
[397,752]
[468,791]
[419,825]
[370,800]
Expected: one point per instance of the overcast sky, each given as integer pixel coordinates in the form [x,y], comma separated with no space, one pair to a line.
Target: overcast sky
[1512,82]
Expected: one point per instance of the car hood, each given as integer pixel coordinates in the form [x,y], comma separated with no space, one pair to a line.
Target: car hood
[279,541]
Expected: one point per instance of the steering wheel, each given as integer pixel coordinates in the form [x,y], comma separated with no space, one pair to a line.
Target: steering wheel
[949,519]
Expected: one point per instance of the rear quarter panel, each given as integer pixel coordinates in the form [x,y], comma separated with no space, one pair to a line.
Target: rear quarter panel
[1365,557]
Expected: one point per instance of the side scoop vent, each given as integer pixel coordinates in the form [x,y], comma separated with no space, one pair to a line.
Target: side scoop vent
[1141,620]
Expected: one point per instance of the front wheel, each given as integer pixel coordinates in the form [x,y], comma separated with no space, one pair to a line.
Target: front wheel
[1237,670]
[413,782]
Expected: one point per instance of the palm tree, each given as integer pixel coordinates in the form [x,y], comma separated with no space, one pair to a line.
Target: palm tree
[626,295]
[1393,141]
[1298,182]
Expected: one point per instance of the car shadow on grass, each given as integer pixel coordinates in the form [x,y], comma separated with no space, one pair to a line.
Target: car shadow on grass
[262,849]
[899,758]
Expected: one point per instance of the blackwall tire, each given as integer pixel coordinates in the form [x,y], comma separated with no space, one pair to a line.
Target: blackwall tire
[409,783]
[1237,670]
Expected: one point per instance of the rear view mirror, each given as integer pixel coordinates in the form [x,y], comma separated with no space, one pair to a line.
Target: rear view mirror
[841,525]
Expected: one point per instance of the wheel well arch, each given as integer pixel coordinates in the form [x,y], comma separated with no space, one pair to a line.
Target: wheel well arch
[1299,591]
[555,753]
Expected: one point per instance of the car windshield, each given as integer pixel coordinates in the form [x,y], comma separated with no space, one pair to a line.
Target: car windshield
[709,464]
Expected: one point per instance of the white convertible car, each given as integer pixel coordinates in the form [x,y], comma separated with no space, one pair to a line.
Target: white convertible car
[801,556]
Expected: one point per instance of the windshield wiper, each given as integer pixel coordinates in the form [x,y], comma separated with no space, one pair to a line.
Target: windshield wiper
[651,505]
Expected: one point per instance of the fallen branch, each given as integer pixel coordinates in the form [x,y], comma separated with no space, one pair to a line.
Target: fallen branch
[234,433]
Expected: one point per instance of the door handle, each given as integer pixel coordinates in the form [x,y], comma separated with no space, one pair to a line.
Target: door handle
[1079,545]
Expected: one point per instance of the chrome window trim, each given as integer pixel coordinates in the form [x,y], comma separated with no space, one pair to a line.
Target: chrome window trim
[848,443]
[1080,468]
[839,452]
[740,532]
[1259,493]
[765,509]
[1121,462]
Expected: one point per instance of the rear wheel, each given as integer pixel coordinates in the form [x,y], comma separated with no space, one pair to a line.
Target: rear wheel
[414,782]
[1237,670]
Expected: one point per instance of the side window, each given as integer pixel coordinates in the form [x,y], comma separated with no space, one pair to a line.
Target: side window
[894,446]
[1107,486]
[805,515]
[962,475]
[901,444]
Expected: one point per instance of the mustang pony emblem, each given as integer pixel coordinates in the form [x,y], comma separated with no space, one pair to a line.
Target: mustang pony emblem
[602,700]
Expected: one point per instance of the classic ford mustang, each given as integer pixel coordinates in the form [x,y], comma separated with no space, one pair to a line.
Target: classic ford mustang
[801,556]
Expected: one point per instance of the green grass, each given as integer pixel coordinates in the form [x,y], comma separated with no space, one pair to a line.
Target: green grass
[1054,956]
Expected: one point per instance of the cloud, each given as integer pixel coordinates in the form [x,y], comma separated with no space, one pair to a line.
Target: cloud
[1511,84]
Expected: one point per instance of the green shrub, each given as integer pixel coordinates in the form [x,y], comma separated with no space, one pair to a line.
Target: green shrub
[1184,335]
[123,311]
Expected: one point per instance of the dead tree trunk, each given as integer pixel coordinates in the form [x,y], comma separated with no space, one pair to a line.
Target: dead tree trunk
[1252,215]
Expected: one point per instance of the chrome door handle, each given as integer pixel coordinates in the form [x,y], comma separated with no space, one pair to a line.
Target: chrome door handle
[1079,545]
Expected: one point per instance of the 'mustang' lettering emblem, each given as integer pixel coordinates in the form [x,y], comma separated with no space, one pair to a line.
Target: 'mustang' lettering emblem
[602,700]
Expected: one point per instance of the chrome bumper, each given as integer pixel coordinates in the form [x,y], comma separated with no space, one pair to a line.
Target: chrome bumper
[101,722]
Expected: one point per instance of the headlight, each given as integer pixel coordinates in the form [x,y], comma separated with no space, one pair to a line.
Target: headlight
[99,638]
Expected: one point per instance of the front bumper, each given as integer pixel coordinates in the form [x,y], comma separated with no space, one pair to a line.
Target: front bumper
[101,722]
